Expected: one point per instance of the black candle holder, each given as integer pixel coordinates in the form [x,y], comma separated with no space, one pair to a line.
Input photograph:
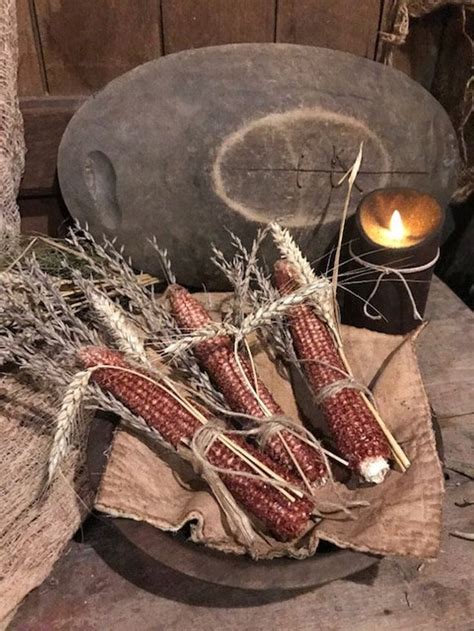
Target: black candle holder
[392,278]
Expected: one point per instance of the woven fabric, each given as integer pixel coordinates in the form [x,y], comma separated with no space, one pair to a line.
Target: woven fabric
[34,527]
[12,147]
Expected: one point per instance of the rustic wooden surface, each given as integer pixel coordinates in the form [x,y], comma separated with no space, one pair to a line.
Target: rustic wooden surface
[31,79]
[44,214]
[45,120]
[330,24]
[86,43]
[102,582]
[192,24]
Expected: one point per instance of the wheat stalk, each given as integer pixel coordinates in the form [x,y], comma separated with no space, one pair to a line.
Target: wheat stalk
[290,251]
[351,174]
[165,261]
[240,270]
[323,301]
[263,316]
[67,418]
[112,317]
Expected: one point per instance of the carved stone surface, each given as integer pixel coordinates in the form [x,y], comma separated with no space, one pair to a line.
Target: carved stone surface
[195,144]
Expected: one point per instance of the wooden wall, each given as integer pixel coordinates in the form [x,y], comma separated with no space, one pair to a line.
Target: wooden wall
[71,48]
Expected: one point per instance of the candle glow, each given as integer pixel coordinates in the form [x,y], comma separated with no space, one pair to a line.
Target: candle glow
[396,227]
[399,218]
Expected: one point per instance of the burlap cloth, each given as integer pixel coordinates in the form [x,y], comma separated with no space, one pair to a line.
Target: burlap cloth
[12,143]
[404,515]
[34,527]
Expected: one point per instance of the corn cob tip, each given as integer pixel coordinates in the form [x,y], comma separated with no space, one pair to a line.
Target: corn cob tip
[282,265]
[175,289]
[374,469]
[285,276]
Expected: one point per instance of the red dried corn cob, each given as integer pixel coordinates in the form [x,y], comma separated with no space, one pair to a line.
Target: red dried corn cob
[286,519]
[356,432]
[217,357]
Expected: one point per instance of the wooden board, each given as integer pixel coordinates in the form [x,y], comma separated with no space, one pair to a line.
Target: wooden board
[86,43]
[224,138]
[45,120]
[41,214]
[339,24]
[30,78]
[196,23]
[418,56]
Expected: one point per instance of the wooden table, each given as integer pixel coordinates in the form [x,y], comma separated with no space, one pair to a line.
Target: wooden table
[101,583]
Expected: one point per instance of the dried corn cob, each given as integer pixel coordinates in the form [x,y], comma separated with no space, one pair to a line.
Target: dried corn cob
[217,357]
[357,434]
[285,518]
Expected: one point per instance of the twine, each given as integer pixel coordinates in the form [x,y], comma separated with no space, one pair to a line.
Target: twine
[335,387]
[386,271]
[204,438]
[212,431]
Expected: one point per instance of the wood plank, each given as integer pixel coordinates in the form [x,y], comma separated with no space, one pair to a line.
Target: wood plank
[338,24]
[30,77]
[42,214]
[45,120]
[418,56]
[445,350]
[87,43]
[196,23]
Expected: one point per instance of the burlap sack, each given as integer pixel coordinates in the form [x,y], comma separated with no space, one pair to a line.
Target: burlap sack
[34,527]
[12,144]
[404,515]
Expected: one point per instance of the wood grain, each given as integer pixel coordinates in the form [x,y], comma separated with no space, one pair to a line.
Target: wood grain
[30,77]
[45,120]
[86,43]
[196,23]
[42,214]
[418,57]
[338,24]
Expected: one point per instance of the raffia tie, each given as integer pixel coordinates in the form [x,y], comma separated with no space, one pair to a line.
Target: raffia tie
[239,523]
[336,386]
[205,436]
[386,271]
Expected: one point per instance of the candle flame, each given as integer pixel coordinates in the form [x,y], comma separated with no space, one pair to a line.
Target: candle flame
[396,227]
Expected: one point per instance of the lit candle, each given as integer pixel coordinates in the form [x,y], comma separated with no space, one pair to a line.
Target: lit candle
[395,247]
